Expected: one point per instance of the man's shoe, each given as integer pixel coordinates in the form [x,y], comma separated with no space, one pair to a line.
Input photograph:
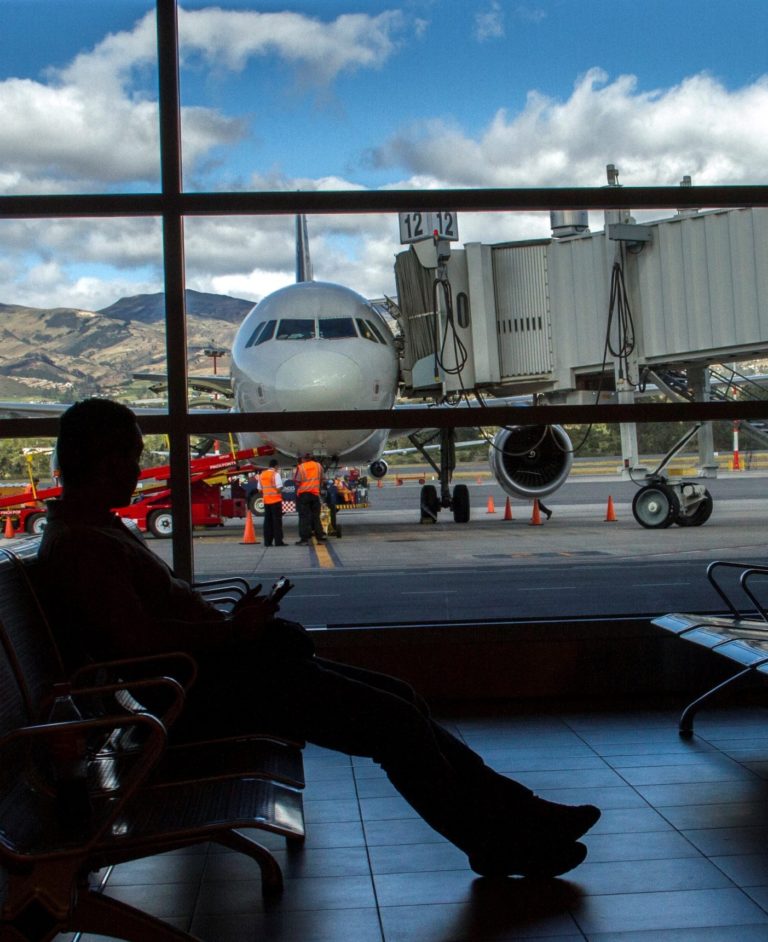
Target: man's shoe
[281,544]
[302,543]
[544,861]
[560,822]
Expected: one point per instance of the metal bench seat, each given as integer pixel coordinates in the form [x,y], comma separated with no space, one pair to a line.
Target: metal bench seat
[741,636]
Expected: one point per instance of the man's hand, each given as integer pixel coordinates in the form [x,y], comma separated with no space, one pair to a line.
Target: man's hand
[252,614]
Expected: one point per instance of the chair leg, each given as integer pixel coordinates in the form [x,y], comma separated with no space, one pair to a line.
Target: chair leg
[102,915]
[271,874]
[685,726]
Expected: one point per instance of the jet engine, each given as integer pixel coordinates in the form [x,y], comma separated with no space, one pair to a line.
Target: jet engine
[378,468]
[531,460]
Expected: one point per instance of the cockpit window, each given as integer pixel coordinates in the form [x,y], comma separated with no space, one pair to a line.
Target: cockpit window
[296,328]
[252,339]
[336,328]
[376,331]
[262,335]
[365,330]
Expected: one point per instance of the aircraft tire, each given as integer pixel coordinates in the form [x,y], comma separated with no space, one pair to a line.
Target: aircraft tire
[655,506]
[160,524]
[461,503]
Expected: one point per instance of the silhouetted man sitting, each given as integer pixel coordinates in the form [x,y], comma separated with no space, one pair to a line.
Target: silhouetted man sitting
[110,596]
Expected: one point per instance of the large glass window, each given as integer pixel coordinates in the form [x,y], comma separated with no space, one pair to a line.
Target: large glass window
[105,257]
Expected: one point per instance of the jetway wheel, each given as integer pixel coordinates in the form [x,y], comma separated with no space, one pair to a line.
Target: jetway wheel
[160,524]
[655,506]
[461,503]
[700,515]
[430,504]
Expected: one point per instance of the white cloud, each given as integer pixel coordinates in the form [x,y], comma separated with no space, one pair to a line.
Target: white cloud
[698,127]
[489,23]
[324,49]
[94,123]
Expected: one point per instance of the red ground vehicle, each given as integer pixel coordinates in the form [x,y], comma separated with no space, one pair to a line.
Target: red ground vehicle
[151,506]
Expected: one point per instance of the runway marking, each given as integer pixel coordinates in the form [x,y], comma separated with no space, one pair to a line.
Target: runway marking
[324,555]
[430,592]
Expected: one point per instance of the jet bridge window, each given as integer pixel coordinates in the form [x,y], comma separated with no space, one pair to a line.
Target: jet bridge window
[263,332]
[296,328]
[336,328]
[365,330]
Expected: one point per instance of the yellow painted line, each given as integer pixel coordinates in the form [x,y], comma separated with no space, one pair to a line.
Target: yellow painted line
[323,556]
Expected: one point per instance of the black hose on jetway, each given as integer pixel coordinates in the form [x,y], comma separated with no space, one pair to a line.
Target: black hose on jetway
[619,309]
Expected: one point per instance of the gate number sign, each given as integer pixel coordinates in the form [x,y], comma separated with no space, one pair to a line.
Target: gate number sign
[417,226]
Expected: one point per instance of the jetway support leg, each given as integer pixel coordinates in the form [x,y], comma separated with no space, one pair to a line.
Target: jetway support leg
[630,461]
[699,381]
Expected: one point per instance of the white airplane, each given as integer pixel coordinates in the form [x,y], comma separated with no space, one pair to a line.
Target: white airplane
[315,346]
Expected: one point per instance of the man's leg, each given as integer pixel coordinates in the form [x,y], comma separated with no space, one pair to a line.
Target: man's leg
[268,530]
[317,526]
[277,523]
[502,831]
[305,522]
[467,762]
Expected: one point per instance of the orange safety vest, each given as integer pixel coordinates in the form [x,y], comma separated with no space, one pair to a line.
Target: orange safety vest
[308,477]
[269,490]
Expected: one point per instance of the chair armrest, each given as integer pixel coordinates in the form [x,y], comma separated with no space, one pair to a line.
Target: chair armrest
[730,564]
[126,696]
[179,665]
[30,825]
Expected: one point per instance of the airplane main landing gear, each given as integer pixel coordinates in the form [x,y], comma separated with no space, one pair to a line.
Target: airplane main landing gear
[431,502]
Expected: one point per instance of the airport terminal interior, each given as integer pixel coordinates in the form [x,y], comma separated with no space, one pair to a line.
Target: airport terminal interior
[680,852]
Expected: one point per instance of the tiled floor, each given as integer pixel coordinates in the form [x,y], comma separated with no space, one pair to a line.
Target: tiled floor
[681,852]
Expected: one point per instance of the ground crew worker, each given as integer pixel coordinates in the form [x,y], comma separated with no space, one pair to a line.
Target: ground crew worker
[308,477]
[271,487]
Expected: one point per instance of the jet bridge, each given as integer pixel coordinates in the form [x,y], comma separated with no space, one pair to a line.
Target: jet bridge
[584,316]
[534,316]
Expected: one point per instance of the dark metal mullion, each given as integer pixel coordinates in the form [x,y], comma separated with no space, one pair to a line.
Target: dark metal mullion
[173,268]
[275,202]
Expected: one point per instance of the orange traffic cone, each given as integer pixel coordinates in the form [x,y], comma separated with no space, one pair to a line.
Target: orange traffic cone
[249,534]
[508,510]
[491,506]
[535,515]
[9,531]
[610,513]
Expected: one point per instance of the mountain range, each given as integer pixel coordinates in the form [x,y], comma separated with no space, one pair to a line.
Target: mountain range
[61,353]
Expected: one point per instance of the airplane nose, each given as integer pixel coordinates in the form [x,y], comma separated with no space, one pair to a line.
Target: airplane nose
[318,380]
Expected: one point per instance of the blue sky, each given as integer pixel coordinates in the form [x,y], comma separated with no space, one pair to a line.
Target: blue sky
[335,95]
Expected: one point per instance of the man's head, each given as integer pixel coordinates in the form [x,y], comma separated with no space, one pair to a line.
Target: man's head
[274,463]
[99,446]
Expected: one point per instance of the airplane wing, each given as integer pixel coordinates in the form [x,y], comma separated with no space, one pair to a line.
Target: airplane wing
[212,383]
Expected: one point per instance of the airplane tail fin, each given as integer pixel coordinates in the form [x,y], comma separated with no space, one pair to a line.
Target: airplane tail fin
[303,261]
